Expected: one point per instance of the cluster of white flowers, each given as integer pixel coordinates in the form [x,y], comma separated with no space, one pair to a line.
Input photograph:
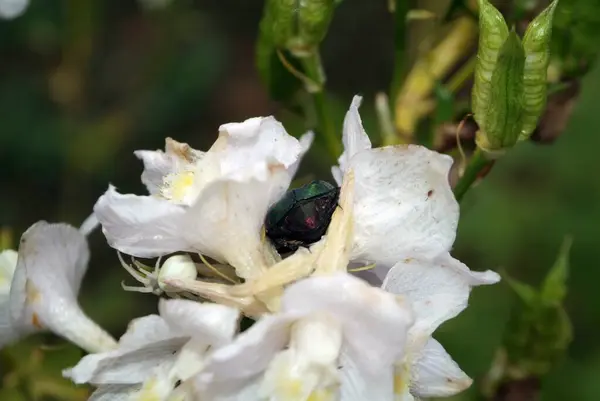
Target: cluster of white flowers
[323,331]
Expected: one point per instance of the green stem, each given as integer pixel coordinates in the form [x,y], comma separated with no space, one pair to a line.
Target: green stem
[477,163]
[401,9]
[326,126]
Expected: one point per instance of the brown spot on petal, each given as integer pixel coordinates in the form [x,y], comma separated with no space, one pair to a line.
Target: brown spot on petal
[429,193]
[33,294]
[274,168]
[35,321]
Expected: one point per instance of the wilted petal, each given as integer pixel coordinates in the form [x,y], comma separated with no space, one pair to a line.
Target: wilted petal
[142,226]
[438,290]
[43,295]
[435,374]
[403,204]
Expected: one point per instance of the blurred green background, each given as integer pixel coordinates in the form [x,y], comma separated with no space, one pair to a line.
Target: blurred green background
[84,83]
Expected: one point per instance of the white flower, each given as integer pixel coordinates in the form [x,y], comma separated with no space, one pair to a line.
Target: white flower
[10,9]
[404,205]
[405,220]
[335,336]
[43,285]
[158,354]
[213,202]
[437,290]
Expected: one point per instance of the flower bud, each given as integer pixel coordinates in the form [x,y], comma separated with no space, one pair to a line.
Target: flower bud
[539,329]
[297,26]
[509,92]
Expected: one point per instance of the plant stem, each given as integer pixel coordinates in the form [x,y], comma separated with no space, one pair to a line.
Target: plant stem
[326,126]
[401,9]
[476,165]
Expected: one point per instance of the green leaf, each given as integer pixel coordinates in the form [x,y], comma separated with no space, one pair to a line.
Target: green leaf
[554,288]
[526,293]
[504,113]
[536,44]
[493,32]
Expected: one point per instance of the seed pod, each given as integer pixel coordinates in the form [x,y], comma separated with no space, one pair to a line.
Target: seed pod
[298,26]
[492,35]
[536,43]
[504,119]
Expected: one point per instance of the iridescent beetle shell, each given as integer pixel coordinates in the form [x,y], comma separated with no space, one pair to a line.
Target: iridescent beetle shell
[302,216]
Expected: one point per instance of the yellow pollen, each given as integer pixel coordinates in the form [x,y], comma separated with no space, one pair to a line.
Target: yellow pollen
[401,379]
[178,185]
[320,395]
[290,389]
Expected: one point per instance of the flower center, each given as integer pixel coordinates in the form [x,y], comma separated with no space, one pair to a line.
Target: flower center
[178,187]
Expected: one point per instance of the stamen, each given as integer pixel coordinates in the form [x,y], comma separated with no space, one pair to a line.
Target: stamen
[362,268]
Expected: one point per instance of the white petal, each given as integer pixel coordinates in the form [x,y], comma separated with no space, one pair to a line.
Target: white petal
[8,332]
[114,392]
[89,224]
[236,211]
[142,226]
[354,137]
[403,204]
[146,330]
[10,9]
[239,390]
[148,342]
[157,164]
[374,322]
[52,261]
[254,147]
[435,374]
[337,174]
[125,366]
[358,384]
[306,141]
[212,323]
[438,290]
[251,351]
[8,264]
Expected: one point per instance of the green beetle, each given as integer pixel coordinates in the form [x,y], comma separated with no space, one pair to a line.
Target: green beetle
[302,216]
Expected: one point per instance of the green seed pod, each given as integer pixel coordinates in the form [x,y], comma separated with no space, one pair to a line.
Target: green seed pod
[298,26]
[509,92]
[492,35]
[536,43]
[504,115]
